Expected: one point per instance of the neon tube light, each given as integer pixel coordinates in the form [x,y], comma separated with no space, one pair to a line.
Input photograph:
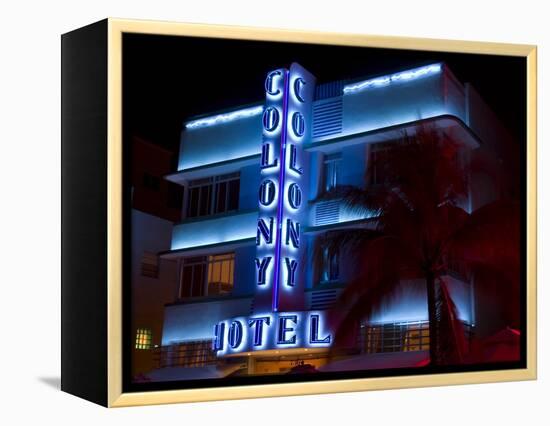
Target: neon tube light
[385,80]
[224,118]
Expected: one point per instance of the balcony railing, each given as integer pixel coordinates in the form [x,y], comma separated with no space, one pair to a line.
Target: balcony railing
[185,354]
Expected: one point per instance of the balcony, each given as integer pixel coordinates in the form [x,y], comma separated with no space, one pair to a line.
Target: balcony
[380,108]
[231,230]
[231,139]
[194,321]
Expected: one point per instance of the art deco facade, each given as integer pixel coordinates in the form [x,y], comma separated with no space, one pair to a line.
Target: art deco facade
[249,298]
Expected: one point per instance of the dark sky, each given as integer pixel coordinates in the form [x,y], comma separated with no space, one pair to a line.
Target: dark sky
[168,79]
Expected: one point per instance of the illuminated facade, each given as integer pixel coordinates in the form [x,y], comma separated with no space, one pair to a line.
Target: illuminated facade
[250,299]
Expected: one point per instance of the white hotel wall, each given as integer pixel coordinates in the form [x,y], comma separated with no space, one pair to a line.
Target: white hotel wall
[219,138]
[376,107]
[195,321]
[393,104]
[221,142]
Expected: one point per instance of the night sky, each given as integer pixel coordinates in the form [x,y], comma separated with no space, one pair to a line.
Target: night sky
[169,79]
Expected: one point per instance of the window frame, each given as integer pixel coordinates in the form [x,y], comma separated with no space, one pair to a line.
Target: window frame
[207,262]
[331,165]
[144,338]
[214,185]
[327,265]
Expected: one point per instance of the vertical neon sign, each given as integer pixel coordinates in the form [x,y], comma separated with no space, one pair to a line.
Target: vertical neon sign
[289,95]
[279,320]
[269,192]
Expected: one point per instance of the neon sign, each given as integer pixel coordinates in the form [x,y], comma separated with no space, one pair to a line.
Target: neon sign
[284,330]
[289,96]
[279,276]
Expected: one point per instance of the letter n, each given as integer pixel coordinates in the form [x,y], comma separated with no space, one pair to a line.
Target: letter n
[265,231]
[292,233]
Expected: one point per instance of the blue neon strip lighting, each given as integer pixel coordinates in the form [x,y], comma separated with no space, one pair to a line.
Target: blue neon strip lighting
[224,118]
[385,80]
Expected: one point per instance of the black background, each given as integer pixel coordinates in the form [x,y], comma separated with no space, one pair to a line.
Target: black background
[167,80]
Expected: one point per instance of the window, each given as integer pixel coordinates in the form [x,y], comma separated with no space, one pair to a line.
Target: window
[331,173]
[403,337]
[188,354]
[220,273]
[193,277]
[143,338]
[151,182]
[378,169]
[330,267]
[207,275]
[149,265]
[219,194]
[175,196]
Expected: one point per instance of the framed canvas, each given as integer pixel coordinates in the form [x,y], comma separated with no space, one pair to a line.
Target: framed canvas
[253,212]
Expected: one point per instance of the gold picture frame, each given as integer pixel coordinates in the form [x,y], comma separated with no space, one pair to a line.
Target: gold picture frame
[115,395]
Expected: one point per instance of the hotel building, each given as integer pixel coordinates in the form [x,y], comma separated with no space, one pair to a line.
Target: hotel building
[249,299]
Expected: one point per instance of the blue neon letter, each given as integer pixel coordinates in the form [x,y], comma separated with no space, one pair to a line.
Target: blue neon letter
[294,195]
[265,164]
[284,329]
[235,334]
[298,84]
[269,83]
[265,231]
[219,330]
[291,266]
[258,324]
[271,119]
[298,124]
[314,331]
[262,265]
[267,192]
[293,156]
[292,233]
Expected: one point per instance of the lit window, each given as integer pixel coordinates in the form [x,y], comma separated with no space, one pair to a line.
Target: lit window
[332,167]
[207,275]
[220,273]
[143,338]
[149,265]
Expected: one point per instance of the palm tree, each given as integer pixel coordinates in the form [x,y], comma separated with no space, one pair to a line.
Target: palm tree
[421,230]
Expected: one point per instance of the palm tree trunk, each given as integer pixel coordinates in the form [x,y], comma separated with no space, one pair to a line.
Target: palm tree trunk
[433,319]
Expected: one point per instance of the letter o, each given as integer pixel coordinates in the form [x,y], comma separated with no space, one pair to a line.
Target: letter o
[294,195]
[235,334]
[271,119]
[266,194]
[298,124]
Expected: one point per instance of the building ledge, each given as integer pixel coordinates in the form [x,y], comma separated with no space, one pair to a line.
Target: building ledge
[207,249]
[212,231]
[456,128]
[220,168]
[359,223]
[208,299]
